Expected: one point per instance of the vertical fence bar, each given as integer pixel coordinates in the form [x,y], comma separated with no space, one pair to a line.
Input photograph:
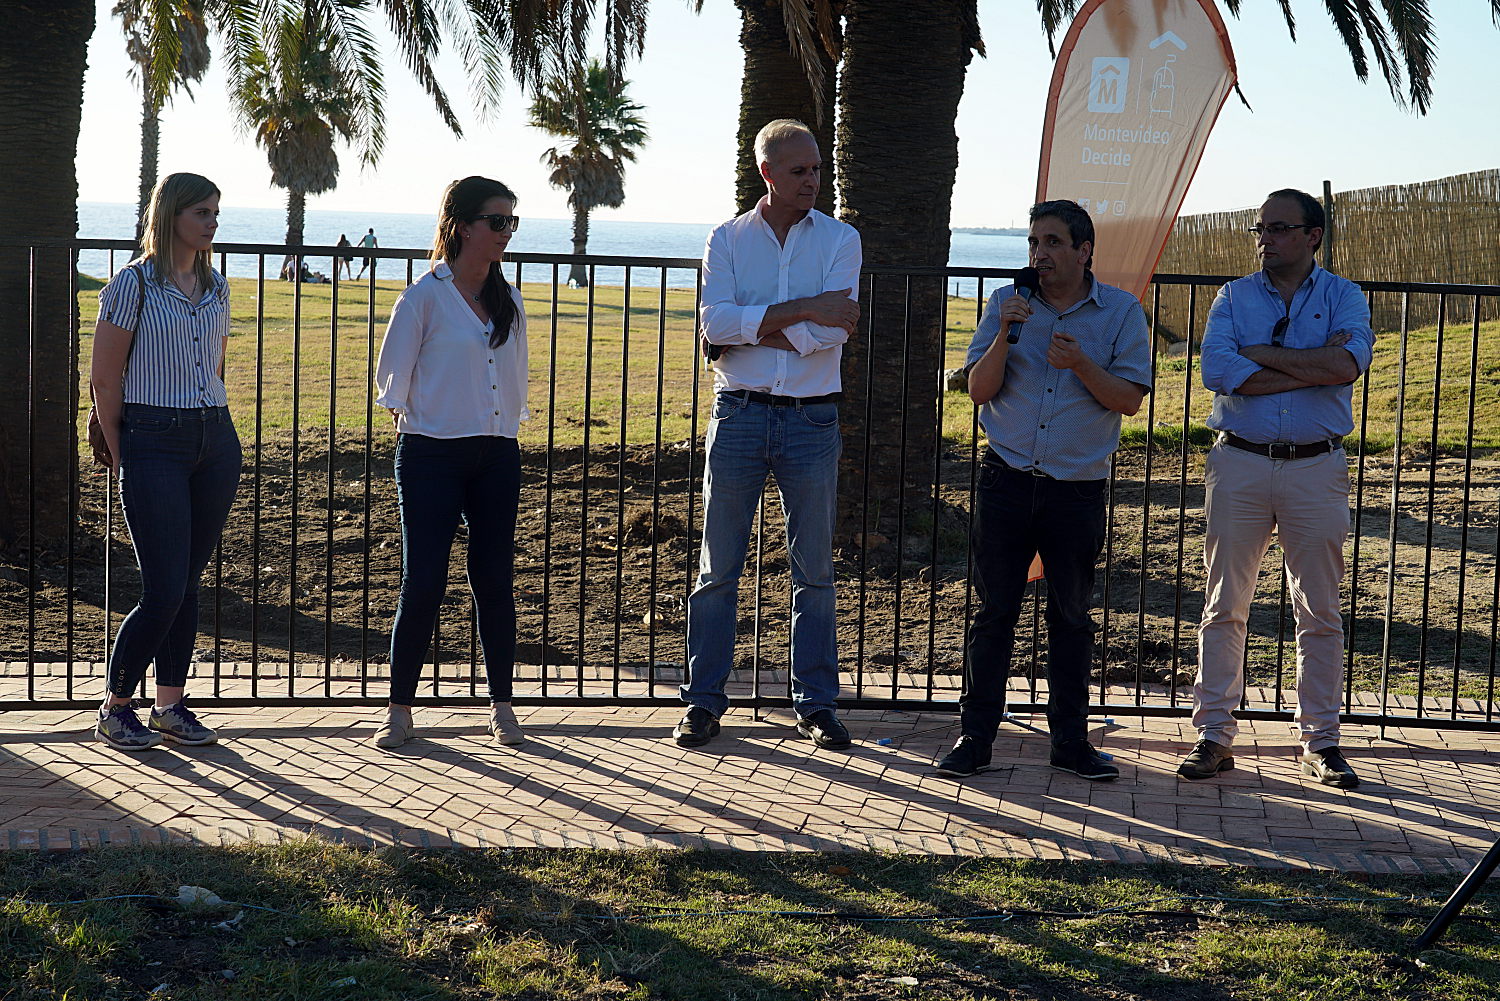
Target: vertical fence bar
[547,489]
[256,571]
[583,504]
[1395,512]
[74,350]
[901,487]
[937,494]
[1359,513]
[291,604]
[864,505]
[330,480]
[31,421]
[661,373]
[1432,464]
[698,364]
[620,479]
[1182,491]
[368,474]
[1463,518]
[1141,595]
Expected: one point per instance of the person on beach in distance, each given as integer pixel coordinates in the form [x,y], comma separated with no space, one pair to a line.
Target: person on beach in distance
[344,259]
[452,372]
[778,299]
[368,240]
[158,381]
[1281,351]
[1050,405]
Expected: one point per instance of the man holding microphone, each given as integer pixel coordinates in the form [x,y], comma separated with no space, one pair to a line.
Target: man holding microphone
[1050,404]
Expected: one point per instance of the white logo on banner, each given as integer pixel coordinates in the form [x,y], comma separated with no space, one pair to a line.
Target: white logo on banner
[1108,84]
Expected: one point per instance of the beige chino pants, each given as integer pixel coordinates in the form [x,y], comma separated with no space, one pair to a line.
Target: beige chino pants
[1306,503]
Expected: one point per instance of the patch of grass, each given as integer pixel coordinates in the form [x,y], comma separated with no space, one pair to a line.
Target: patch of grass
[451,924]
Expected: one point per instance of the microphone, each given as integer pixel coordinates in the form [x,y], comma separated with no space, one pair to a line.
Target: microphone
[1028,282]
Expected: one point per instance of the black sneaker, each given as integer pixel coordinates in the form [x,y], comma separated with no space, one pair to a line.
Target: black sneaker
[968,757]
[1329,767]
[1079,757]
[824,729]
[697,728]
[1205,760]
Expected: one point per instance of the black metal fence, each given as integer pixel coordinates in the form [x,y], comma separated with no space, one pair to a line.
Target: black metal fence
[302,590]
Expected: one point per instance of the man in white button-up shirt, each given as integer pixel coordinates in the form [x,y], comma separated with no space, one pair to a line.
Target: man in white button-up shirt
[778,303]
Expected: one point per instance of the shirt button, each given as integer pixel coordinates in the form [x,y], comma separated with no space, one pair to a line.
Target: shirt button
[492,361]
[494,387]
[497,413]
[1044,427]
[1049,389]
[1283,411]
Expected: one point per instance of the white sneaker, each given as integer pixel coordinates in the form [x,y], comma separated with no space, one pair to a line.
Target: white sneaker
[503,725]
[397,728]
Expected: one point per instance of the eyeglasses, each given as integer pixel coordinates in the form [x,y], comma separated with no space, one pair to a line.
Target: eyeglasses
[501,223]
[1278,331]
[1277,228]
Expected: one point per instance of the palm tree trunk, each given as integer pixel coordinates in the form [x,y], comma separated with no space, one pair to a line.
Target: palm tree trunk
[903,76]
[775,86]
[150,146]
[42,58]
[296,216]
[578,274]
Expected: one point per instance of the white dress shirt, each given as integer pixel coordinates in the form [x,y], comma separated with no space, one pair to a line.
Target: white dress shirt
[437,370]
[746,270]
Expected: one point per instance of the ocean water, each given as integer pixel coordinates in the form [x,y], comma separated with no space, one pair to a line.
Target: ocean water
[111,221]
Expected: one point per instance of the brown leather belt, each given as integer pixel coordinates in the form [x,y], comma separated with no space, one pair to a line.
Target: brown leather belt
[772,400]
[1282,449]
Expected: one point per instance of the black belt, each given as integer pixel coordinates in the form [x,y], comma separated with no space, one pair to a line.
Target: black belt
[771,400]
[1282,449]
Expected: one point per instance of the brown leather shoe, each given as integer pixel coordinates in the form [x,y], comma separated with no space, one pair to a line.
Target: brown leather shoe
[1329,767]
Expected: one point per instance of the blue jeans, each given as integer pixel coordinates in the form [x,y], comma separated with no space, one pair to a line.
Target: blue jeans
[801,445]
[179,469]
[439,481]
[1016,516]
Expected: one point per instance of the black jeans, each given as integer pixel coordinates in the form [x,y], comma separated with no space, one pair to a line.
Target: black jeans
[439,481]
[1016,516]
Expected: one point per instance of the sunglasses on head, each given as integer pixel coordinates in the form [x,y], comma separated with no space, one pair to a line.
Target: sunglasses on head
[501,223]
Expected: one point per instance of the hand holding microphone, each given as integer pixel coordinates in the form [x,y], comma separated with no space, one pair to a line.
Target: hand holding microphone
[1028,282]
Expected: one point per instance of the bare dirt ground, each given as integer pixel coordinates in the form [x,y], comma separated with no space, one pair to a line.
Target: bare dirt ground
[605,557]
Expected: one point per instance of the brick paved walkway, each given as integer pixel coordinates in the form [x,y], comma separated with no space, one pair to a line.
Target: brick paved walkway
[610,777]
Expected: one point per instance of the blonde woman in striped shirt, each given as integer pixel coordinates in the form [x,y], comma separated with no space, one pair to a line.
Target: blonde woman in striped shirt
[158,382]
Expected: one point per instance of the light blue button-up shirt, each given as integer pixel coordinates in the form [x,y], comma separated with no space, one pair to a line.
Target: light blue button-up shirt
[1245,312]
[1044,418]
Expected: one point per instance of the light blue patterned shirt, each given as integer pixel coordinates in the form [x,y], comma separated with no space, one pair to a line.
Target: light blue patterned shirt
[1044,418]
[1245,312]
[178,345]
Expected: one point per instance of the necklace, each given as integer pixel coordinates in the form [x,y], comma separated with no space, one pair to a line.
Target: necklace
[178,285]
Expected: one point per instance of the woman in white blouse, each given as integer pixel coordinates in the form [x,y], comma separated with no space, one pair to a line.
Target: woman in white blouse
[452,371]
[158,381]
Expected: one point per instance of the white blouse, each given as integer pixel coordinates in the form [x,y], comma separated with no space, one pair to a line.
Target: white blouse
[437,370]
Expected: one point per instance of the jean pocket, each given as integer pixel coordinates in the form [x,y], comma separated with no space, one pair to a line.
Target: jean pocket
[147,425]
[727,409]
[1087,489]
[820,415]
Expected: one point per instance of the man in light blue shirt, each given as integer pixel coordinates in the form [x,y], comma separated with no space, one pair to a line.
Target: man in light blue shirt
[1050,405]
[1281,351]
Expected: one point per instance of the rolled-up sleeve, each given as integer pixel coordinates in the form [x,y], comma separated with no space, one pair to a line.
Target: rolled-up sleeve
[398,353]
[807,336]
[722,318]
[120,300]
[988,329]
[1351,314]
[1224,368]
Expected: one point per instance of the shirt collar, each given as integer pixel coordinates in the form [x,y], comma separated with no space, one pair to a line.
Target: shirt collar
[442,272]
[759,211]
[1310,282]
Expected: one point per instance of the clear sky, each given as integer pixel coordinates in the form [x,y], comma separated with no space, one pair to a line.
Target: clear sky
[1311,121]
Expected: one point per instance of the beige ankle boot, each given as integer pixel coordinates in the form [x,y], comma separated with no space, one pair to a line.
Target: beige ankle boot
[503,725]
[397,728]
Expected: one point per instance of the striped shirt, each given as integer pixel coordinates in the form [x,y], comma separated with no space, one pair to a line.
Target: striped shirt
[1044,418]
[178,346]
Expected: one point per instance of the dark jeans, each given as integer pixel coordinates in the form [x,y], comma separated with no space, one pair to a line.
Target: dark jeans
[179,470]
[1016,516]
[439,481]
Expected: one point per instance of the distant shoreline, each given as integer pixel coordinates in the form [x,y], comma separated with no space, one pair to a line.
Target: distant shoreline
[988,231]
